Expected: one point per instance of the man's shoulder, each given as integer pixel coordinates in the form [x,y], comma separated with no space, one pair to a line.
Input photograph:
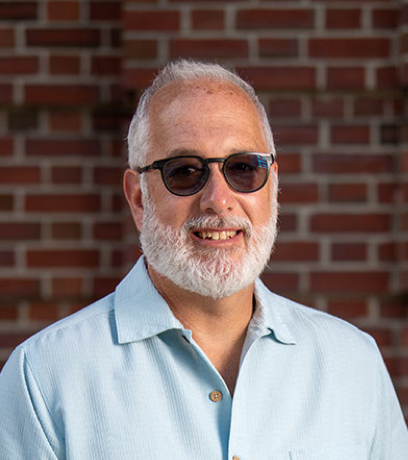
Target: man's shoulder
[81,326]
[313,327]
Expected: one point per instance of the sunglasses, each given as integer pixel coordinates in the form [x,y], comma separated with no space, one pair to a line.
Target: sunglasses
[186,175]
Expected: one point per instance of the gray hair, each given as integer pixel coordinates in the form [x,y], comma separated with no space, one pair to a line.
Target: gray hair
[179,71]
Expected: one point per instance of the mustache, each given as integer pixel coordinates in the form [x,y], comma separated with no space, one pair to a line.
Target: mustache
[203,222]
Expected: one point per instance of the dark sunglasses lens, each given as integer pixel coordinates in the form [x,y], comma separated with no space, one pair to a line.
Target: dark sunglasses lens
[184,176]
[246,172]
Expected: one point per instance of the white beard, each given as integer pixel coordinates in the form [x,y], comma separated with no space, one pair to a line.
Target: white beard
[212,272]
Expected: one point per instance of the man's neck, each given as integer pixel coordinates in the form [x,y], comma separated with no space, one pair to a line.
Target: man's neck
[218,325]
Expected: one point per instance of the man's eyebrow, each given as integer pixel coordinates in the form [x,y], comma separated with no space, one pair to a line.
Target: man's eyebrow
[182,152]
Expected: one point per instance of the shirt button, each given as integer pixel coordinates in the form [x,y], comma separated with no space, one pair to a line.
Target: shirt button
[216,396]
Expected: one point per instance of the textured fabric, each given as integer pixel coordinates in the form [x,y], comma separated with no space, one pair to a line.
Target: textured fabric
[122,379]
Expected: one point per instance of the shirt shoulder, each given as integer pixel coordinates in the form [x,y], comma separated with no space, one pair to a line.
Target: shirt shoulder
[82,327]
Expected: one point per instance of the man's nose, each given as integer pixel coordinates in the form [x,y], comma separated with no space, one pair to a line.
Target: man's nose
[216,196]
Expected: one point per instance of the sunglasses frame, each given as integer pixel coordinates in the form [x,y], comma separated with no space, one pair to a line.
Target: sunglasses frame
[160,164]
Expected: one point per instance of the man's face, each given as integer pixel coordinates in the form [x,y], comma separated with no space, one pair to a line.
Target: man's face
[218,234]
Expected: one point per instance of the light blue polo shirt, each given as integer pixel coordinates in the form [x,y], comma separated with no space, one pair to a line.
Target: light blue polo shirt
[122,379]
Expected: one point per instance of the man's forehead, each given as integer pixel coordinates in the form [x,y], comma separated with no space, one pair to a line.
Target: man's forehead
[193,89]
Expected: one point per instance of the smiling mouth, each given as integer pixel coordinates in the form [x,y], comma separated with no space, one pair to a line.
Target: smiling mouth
[216,235]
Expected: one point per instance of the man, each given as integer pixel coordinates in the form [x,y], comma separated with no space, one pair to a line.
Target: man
[192,357]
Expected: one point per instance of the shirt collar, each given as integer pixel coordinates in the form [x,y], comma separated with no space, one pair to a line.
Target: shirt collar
[271,314]
[141,312]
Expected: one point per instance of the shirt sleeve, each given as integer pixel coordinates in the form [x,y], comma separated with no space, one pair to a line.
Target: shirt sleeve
[27,430]
[391,435]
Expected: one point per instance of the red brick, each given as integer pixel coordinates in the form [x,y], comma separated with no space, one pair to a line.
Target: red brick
[65,65]
[63,147]
[392,134]
[43,311]
[403,220]
[278,47]
[343,18]
[348,192]
[296,135]
[20,231]
[66,287]
[64,121]
[61,95]
[19,287]
[349,47]
[6,94]
[103,286]
[106,65]
[20,175]
[208,48]
[66,174]
[368,106]
[386,192]
[353,163]
[18,65]
[6,38]
[385,18]
[7,258]
[105,11]
[63,10]
[108,175]
[348,252]
[279,78]
[138,78]
[63,37]
[58,258]
[108,231]
[327,107]
[386,78]
[13,339]
[6,202]
[298,193]
[18,10]
[285,108]
[403,43]
[403,14]
[350,223]
[279,282]
[140,49]
[393,309]
[345,77]
[9,312]
[350,134]
[207,19]
[63,203]
[404,192]
[66,231]
[275,19]
[287,222]
[6,146]
[382,336]
[370,282]
[152,20]
[347,308]
[387,252]
[296,251]
[289,163]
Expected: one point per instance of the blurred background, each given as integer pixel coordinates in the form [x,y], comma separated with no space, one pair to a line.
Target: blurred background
[333,76]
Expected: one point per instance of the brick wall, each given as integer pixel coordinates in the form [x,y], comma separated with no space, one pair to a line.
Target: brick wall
[333,75]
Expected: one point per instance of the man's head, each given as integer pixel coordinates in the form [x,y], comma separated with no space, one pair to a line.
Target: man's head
[216,240]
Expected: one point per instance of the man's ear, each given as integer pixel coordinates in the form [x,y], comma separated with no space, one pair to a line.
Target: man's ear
[275,167]
[133,192]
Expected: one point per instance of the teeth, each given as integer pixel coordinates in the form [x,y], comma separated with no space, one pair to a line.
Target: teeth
[214,235]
